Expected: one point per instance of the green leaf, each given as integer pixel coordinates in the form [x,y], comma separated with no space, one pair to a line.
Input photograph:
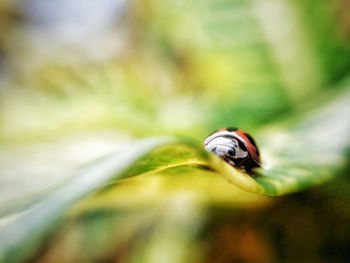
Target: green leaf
[26,231]
[296,155]
[299,154]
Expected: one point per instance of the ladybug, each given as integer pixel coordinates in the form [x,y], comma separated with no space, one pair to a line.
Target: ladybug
[235,146]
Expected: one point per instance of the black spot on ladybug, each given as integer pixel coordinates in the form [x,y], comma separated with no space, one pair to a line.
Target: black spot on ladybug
[230,129]
[231,152]
[241,144]
[250,138]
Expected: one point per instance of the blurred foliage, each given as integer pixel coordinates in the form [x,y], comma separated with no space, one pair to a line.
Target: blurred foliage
[181,179]
[278,69]
[202,65]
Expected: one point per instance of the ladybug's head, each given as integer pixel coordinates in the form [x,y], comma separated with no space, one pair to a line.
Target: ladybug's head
[224,146]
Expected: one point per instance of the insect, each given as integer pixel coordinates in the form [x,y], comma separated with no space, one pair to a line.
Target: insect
[235,146]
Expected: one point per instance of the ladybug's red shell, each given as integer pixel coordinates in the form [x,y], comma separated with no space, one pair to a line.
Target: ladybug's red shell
[235,146]
[250,144]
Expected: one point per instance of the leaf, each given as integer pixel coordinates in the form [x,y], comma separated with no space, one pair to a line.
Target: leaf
[298,155]
[26,231]
[295,156]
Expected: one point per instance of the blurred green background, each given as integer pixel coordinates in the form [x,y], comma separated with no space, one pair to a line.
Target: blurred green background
[80,79]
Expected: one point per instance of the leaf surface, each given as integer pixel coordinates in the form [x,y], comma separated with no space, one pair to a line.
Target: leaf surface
[296,155]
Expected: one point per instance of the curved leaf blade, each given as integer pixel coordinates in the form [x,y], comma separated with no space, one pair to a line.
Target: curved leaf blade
[27,230]
[301,155]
